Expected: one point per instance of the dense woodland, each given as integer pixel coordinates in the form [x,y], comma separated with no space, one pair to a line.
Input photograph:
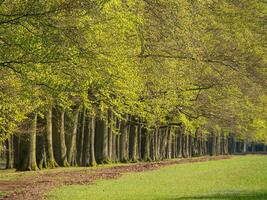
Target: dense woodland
[98,81]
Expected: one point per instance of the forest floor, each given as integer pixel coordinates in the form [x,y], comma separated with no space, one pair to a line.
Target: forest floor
[33,185]
[238,178]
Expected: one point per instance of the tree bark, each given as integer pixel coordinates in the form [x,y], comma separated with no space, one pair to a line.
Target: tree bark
[133,142]
[179,143]
[213,144]
[91,127]
[102,141]
[244,146]
[41,151]
[72,152]
[51,163]
[9,152]
[30,163]
[17,150]
[156,140]
[164,140]
[169,144]
[110,134]
[81,138]
[63,149]
[146,156]
[123,141]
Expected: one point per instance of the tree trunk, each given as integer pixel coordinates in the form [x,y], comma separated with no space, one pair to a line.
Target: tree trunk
[164,140]
[185,145]
[133,142]
[114,146]
[244,146]
[41,151]
[86,145]
[218,144]
[9,152]
[179,143]
[63,149]
[91,130]
[17,150]
[51,163]
[232,144]
[213,145]
[123,140]
[102,141]
[226,152]
[146,156]
[72,152]
[156,140]
[110,134]
[253,149]
[116,141]
[30,163]
[190,145]
[169,144]
[81,138]
[174,145]
[139,140]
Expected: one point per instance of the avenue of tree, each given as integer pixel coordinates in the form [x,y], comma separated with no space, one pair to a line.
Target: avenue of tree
[99,81]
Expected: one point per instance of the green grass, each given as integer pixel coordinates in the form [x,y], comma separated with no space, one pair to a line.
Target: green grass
[240,178]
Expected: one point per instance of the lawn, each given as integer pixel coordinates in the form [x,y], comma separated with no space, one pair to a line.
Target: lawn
[242,177]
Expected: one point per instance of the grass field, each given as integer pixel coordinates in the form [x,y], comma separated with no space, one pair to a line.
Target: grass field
[239,178]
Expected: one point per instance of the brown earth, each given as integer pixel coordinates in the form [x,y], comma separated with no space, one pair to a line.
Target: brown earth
[34,187]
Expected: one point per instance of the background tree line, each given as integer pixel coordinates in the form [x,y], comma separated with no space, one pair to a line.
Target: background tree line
[98,81]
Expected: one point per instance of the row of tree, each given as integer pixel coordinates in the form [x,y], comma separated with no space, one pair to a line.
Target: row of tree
[97,81]
[87,141]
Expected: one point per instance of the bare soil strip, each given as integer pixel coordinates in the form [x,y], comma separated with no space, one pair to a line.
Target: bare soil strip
[34,187]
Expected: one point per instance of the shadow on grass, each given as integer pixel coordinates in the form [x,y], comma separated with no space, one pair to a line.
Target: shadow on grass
[229,196]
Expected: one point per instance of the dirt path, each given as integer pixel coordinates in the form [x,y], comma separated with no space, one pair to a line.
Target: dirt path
[33,187]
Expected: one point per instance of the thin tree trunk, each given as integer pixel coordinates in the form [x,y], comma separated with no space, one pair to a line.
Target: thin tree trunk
[110,134]
[152,146]
[190,145]
[169,144]
[81,138]
[174,145]
[179,143]
[63,149]
[116,141]
[9,152]
[156,144]
[226,145]
[91,127]
[218,144]
[139,141]
[114,146]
